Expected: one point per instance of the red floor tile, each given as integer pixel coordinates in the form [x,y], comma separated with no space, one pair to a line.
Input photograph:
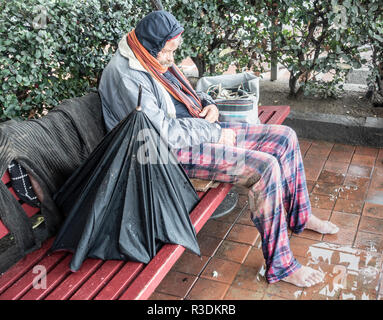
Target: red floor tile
[176,284]
[340,156]
[322,201]
[190,263]
[242,294]
[208,245]
[366,282]
[245,218]
[244,234]
[233,251]
[214,228]
[345,237]
[304,146]
[268,296]
[255,259]
[300,246]
[345,220]
[361,182]
[369,241]
[249,278]
[163,296]
[336,166]
[374,196]
[363,160]
[310,185]
[284,290]
[331,177]
[373,210]
[377,179]
[327,189]
[205,289]
[352,192]
[323,214]
[368,151]
[350,206]
[313,167]
[221,270]
[360,171]
[379,162]
[358,294]
[339,147]
[373,225]
[320,149]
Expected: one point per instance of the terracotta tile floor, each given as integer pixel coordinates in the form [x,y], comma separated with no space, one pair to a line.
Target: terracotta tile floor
[346,187]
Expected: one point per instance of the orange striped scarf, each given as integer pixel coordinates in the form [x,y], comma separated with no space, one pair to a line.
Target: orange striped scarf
[151,64]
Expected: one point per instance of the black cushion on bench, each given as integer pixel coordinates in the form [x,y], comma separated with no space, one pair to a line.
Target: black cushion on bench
[50,149]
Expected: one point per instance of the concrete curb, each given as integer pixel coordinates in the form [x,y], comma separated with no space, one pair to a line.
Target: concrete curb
[366,131]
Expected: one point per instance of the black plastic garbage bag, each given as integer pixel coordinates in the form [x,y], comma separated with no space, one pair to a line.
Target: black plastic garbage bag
[127,199]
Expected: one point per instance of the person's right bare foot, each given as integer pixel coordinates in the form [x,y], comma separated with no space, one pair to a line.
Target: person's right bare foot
[305,277]
[321,226]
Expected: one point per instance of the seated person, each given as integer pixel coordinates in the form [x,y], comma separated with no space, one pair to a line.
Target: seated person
[266,159]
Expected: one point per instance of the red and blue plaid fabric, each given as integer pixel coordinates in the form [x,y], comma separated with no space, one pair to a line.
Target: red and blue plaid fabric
[267,160]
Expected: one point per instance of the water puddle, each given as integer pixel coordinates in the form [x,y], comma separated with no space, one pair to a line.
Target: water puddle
[350,273]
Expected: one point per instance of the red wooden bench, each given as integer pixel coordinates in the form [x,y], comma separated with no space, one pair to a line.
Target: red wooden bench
[40,275]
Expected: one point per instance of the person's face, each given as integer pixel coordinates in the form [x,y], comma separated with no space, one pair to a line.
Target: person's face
[166,56]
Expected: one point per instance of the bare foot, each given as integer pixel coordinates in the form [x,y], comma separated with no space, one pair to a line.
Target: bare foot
[305,277]
[318,225]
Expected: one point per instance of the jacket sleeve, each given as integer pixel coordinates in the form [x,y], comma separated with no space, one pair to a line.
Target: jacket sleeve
[179,133]
[205,98]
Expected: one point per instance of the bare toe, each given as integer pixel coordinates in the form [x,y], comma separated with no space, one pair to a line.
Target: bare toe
[332,228]
[318,225]
[305,277]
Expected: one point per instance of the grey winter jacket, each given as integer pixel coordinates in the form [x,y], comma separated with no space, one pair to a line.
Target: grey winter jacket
[119,95]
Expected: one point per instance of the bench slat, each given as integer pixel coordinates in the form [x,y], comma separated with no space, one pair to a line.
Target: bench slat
[150,277]
[22,266]
[265,115]
[29,210]
[273,114]
[280,114]
[120,281]
[21,286]
[70,285]
[98,280]
[6,177]
[3,230]
[53,278]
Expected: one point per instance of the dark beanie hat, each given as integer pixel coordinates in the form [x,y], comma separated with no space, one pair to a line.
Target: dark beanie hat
[155,29]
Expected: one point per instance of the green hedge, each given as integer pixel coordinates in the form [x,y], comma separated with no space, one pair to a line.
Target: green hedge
[307,37]
[56,49]
[52,50]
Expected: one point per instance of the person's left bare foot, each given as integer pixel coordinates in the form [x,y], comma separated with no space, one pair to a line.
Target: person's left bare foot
[318,225]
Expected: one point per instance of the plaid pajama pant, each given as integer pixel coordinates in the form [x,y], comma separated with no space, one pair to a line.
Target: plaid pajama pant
[267,160]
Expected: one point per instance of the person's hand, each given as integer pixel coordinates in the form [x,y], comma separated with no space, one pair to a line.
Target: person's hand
[228,137]
[210,113]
